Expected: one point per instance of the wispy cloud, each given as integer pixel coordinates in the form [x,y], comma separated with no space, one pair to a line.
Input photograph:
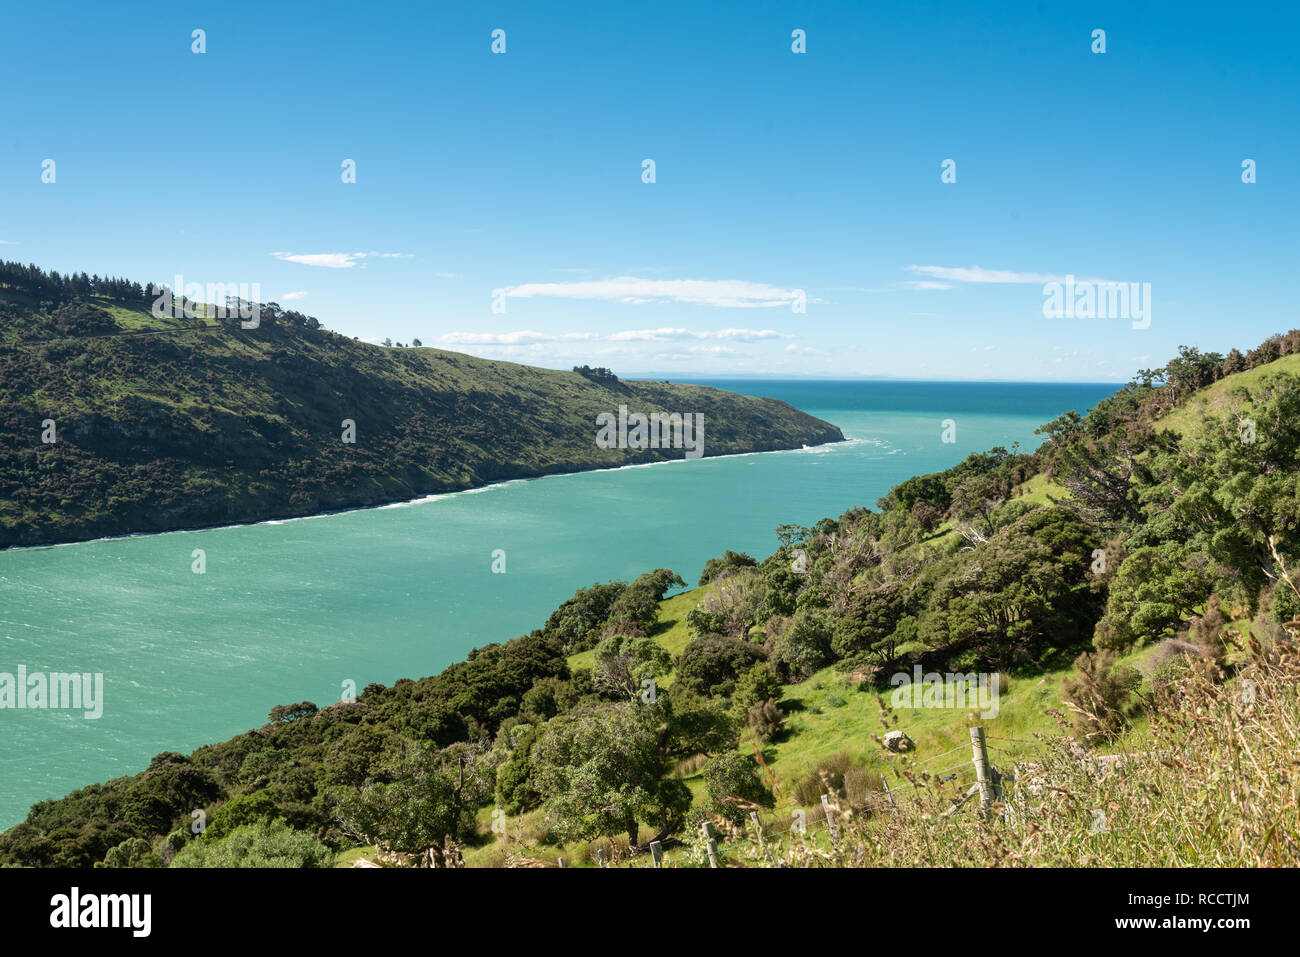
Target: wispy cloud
[692,354]
[751,335]
[665,334]
[336,260]
[522,337]
[711,350]
[291,296]
[721,293]
[945,275]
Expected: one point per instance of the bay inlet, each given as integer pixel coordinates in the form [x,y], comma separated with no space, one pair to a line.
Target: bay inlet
[300,609]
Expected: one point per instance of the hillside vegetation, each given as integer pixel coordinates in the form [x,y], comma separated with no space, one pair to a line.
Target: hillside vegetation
[1131,587]
[170,423]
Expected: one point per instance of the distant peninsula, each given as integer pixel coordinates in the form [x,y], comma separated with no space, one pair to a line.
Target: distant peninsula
[114,421]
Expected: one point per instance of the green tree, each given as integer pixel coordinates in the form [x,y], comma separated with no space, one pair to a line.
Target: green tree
[1155,589]
[257,845]
[757,684]
[1023,593]
[732,606]
[625,663]
[710,665]
[423,796]
[1232,492]
[133,852]
[734,787]
[578,622]
[602,771]
[167,792]
[977,500]
[285,713]
[636,610]
[241,810]
[728,562]
[868,622]
[805,646]
[516,788]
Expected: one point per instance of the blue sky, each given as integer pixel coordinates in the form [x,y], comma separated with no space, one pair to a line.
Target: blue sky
[775,172]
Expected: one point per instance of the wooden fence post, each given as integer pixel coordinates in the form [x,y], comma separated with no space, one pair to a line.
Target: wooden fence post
[657,852]
[982,777]
[762,845]
[710,844]
[889,794]
[830,821]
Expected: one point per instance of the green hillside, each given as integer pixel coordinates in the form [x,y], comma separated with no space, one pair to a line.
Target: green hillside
[1131,588]
[1219,398]
[173,423]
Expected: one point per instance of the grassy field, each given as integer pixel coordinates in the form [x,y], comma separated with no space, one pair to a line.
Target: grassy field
[828,716]
[1040,490]
[671,632]
[1216,399]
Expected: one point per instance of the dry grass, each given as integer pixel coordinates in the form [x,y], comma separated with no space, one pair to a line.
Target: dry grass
[1219,787]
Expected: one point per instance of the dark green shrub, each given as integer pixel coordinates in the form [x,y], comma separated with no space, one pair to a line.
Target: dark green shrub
[766,720]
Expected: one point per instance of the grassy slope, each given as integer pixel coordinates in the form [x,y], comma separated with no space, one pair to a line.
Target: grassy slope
[1215,398]
[218,425]
[816,730]
[818,727]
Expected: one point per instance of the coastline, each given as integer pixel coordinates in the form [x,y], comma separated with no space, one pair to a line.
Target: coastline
[406,502]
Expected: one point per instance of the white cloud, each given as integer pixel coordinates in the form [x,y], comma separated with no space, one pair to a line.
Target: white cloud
[655,335]
[721,293]
[926,284]
[712,350]
[336,260]
[977,274]
[750,335]
[523,337]
[291,296]
[330,260]
[664,334]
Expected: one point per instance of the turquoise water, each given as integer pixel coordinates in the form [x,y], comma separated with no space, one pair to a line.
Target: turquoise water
[288,611]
